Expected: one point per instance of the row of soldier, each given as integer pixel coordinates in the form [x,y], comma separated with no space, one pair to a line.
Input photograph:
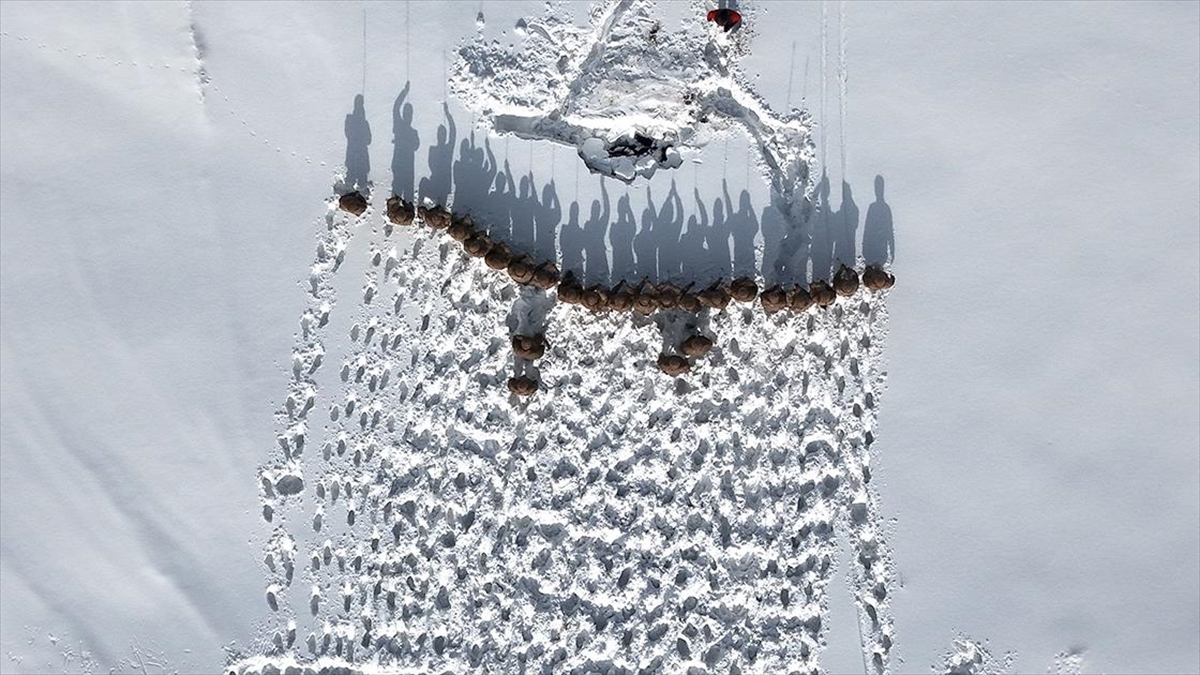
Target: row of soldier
[644,298]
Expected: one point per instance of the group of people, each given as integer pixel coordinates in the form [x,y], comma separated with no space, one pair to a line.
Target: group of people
[643,298]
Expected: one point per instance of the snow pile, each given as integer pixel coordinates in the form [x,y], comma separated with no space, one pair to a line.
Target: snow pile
[631,95]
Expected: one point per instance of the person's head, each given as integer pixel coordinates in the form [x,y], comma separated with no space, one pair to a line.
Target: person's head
[574,212]
[526,186]
[358,104]
[744,202]
[547,192]
[595,209]
[847,194]
[823,187]
[464,148]
[407,114]
[718,208]
[500,180]
[879,187]
[441,134]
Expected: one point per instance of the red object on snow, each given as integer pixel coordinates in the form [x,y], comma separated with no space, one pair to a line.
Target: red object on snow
[725,18]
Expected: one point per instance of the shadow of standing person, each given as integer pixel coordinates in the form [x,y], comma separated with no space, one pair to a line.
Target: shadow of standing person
[669,231]
[785,245]
[644,248]
[473,174]
[545,223]
[436,187]
[525,205]
[405,142]
[720,262]
[743,228]
[358,138]
[595,239]
[621,236]
[571,240]
[694,267]
[500,205]
[879,238]
[821,241]
[845,224]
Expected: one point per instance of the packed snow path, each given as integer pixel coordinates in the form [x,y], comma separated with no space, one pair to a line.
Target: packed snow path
[618,518]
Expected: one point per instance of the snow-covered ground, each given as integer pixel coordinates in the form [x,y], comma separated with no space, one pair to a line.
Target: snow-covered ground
[165,171]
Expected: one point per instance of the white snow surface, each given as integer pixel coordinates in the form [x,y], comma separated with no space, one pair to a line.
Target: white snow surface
[168,255]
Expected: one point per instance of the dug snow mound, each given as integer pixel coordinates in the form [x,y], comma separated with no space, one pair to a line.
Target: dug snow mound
[630,96]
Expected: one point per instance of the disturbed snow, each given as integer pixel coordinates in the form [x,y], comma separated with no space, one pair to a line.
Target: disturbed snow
[618,518]
[632,96]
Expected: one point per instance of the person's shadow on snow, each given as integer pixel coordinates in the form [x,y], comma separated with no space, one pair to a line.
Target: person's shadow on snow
[571,241]
[879,237]
[620,237]
[500,202]
[668,229]
[436,186]
[720,261]
[546,218]
[695,255]
[405,142]
[821,233]
[645,249]
[473,175]
[845,230]
[358,138]
[595,240]
[743,228]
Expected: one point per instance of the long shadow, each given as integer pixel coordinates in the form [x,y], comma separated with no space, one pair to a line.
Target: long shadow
[595,239]
[879,236]
[821,235]
[692,246]
[620,238]
[785,247]
[845,230]
[546,218]
[405,141]
[436,186]
[657,246]
[473,175]
[358,138]
[645,249]
[524,207]
[720,260]
[668,229]
[497,215]
[743,227]
[571,241]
